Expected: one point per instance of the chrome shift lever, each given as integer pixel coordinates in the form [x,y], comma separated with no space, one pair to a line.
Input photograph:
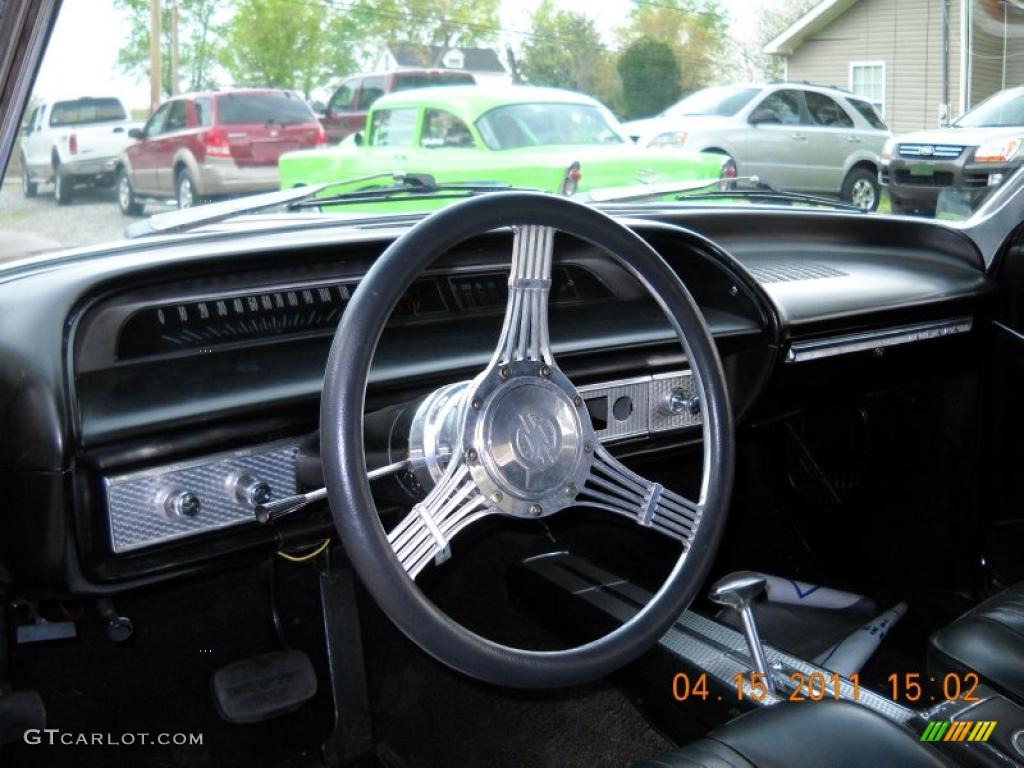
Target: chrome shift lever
[737,591]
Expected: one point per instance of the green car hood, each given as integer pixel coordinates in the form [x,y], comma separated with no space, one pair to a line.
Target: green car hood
[534,167]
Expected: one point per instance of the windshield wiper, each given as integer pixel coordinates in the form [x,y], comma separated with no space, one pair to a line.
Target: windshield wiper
[412,186]
[405,186]
[719,189]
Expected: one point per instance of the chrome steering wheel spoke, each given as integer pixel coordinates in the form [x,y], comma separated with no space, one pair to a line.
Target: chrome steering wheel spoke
[524,335]
[426,532]
[613,487]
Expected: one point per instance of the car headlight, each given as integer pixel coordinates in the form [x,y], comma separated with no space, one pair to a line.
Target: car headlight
[888,149]
[998,150]
[670,139]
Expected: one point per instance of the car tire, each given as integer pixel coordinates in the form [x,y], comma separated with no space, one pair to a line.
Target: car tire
[29,188]
[126,200]
[62,191]
[185,189]
[861,188]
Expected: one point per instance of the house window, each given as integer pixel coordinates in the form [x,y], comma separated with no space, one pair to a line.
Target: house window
[867,80]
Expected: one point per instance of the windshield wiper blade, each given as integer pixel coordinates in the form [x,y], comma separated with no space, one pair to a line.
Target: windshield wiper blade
[188,218]
[412,187]
[719,189]
[404,186]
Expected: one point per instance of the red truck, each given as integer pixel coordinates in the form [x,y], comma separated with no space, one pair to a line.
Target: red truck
[346,111]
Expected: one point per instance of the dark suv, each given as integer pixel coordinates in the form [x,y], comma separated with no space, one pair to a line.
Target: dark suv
[346,111]
[973,155]
[204,145]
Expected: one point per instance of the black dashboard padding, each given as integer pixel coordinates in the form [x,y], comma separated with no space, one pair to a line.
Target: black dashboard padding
[342,436]
[989,640]
[837,734]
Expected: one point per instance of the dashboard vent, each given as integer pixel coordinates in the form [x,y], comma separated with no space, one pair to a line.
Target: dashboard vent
[791,270]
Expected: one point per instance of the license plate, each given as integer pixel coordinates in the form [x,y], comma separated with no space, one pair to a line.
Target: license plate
[921,170]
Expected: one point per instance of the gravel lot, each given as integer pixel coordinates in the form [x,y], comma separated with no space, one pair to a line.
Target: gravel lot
[93,217]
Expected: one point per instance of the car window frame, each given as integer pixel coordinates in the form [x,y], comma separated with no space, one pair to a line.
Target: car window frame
[353,84]
[359,106]
[424,113]
[851,121]
[372,129]
[175,103]
[161,112]
[805,120]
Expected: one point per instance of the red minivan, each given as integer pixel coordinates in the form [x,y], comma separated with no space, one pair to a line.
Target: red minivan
[346,111]
[199,146]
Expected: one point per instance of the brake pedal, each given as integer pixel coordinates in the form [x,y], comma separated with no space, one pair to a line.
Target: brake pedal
[264,687]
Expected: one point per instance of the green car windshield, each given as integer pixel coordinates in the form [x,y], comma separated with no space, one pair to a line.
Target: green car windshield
[544,125]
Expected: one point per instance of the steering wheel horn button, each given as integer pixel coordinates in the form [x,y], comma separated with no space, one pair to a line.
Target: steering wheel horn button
[529,437]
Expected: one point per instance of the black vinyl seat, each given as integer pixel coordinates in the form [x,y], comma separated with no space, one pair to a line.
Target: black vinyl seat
[836,734]
[989,640]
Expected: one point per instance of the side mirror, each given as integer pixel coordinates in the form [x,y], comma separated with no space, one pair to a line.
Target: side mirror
[760,116]
[136,133]
[319,107]
[357,138]
[26,129]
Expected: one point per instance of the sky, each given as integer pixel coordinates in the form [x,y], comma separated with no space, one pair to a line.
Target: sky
[81,58]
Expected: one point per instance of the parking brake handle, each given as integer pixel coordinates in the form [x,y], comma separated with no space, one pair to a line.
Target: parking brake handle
[737,591]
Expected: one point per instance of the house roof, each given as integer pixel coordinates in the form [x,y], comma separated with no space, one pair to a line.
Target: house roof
[812,22]
[416,55]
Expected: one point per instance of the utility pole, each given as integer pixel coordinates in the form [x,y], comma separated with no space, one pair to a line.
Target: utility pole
[154,55]
[174,47]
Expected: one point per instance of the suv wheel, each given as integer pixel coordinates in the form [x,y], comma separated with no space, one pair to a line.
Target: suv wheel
[62,192]
[186,189]
[28,187]
[126,195]
[861,189]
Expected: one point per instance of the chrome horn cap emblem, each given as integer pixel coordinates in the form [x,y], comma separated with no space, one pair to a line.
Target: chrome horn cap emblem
[533,445]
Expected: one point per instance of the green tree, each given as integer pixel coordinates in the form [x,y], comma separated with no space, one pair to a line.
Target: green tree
[773,19]
[198,42]
[287,44]
[565,50]
[650,77]
[696,31]
[443,23]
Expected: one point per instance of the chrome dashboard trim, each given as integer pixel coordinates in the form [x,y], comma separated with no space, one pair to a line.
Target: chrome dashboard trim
[138,519]
[832,346]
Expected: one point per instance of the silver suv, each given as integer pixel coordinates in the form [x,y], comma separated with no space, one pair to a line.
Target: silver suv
[794,136]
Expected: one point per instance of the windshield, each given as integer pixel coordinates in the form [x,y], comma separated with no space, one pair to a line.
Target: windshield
[545,125]
[723,102]
[1003,110]
[143,108]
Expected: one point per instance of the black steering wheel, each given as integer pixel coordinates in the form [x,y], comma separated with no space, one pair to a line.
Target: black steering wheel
[526,447]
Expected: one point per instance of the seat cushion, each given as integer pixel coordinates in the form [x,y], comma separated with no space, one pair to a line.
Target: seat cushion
[828,733]
[989,640]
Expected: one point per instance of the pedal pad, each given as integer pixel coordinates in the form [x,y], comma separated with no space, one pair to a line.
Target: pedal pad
[264,687]
[20,711]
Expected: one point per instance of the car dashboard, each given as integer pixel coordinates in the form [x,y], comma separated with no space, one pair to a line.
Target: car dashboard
[155,391]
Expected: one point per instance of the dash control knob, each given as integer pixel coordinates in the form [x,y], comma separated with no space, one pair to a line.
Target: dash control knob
[248,490]
[176,502]
[679,403]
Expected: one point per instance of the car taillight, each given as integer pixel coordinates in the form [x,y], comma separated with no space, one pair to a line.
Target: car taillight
[73,144]
[321,137]
[571,178]
[216,143]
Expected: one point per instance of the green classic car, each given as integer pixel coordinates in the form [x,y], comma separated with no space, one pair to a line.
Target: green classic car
[542,138]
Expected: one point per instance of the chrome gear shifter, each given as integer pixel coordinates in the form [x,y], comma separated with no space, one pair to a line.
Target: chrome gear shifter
[737,591]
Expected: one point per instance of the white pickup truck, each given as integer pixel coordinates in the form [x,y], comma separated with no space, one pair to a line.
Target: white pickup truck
[73,143]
